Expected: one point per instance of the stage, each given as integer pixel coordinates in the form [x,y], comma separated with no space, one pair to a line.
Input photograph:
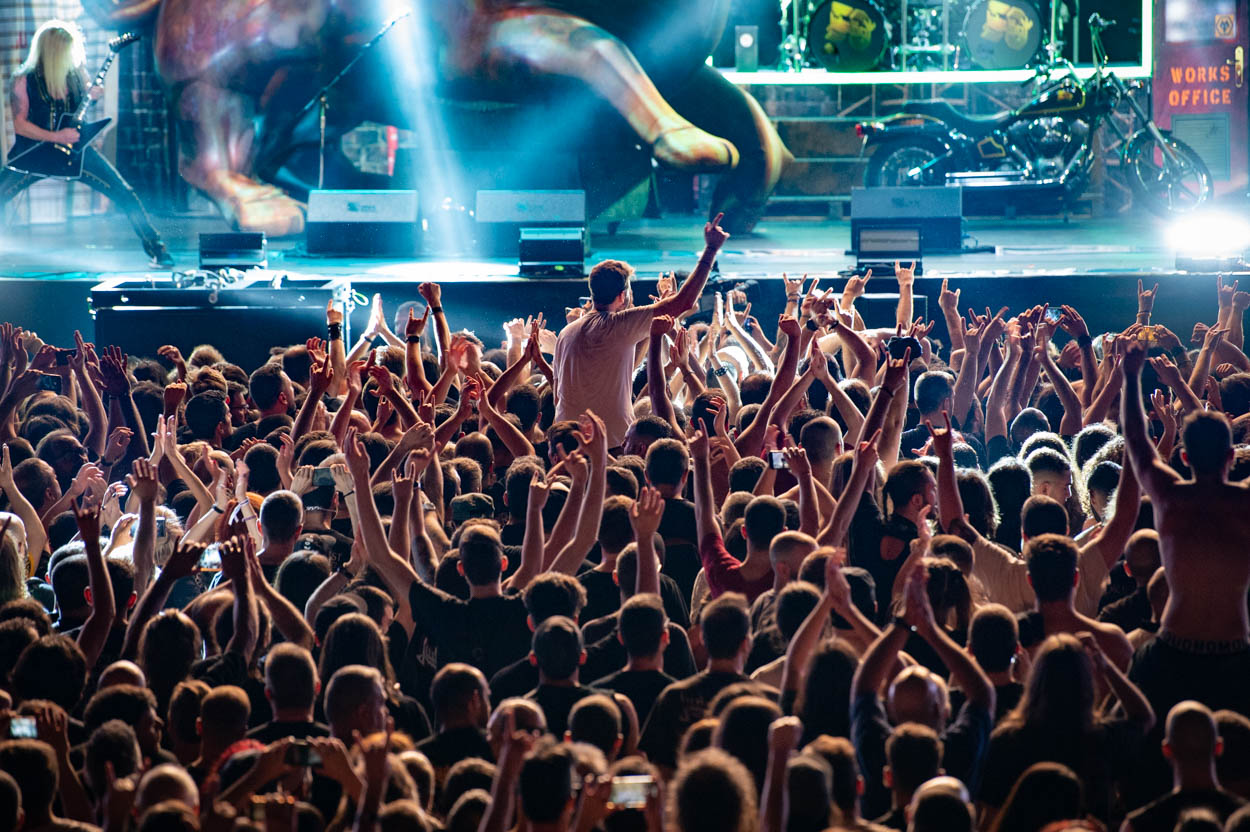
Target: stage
[1092,263]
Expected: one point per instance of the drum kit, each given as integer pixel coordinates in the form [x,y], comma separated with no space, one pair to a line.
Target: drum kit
[868,35]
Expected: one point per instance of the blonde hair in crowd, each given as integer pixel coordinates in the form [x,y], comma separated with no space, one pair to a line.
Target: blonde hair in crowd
[58,50]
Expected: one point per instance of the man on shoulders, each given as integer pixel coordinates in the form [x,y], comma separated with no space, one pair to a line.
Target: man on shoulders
[595,355]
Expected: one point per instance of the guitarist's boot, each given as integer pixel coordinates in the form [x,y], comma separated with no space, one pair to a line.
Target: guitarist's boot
[159,253]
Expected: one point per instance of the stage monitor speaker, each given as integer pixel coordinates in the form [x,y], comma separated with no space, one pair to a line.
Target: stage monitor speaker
[937,211]
[552,252]
[501,214]
[880,309]
[746,48]
[233,250]
[251,314]
[371,223]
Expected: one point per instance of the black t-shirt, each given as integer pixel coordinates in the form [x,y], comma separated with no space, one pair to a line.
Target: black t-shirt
[964,740]
[273,731]
[641,687]
[681,551]
[916,438]
[1130,612]
[608,655]
[869,529]
[1162,814]
[449,580]
[679,706]
[1006,697]
[556,702]
[603,596]
[447,748]
[517,679]
[488,633]
[409,717]
[231,668]
[1098,757]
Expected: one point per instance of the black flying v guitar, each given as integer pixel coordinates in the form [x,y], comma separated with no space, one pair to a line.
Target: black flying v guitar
[64,161]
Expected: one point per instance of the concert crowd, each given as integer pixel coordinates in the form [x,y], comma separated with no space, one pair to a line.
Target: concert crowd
[632,572]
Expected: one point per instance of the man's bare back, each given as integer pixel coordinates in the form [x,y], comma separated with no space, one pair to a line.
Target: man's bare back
[1202,532]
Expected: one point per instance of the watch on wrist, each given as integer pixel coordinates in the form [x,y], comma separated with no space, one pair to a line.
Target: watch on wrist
[812,325]
[902,623]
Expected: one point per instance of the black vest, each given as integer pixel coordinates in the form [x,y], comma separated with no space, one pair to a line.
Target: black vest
[42,109]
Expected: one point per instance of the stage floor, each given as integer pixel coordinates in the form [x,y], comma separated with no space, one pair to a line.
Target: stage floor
[47,273]
[102,247]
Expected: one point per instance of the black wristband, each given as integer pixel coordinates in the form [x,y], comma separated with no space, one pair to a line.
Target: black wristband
[1084,341]
[334,332]
[414,339]
[437,310]
[901,622]
[812,325]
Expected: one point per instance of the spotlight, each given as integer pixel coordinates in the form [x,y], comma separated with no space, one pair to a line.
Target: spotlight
[1210,242]
[1210,234]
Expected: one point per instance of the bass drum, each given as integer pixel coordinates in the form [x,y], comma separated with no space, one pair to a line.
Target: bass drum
[1002,34]
[848,35]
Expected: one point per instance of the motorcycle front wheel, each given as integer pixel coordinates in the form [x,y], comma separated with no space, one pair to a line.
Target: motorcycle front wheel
[1167,180]
[906,162]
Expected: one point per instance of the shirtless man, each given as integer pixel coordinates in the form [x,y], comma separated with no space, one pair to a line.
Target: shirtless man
[1203,648]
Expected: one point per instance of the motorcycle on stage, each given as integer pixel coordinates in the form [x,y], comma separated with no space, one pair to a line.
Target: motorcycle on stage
[1047,144]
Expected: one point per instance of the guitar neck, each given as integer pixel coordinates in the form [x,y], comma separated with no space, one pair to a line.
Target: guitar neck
[98,81]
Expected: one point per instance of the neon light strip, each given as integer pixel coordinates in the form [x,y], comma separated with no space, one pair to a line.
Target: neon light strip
[821,77]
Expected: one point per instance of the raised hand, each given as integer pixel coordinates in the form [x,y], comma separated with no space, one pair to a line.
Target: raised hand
[699,445]
[796,458]
[784,734]
[377,320]
[1225,293]
[1146,297]
[646,513]
[794,288]
[943,438]
[866,454]
[118,442]
[113,368]
[88,519]
[301,479]
[319,376]
[896,372]
[432,293]
[334,315]
[917,610]
[174,356]
[713,235]
[789,326]
[948,300]
[661,325]
[354,451]
[45,359]
[342,478]
[906,275]
[173,395]
[1135,358]
[185,561]
[592,435]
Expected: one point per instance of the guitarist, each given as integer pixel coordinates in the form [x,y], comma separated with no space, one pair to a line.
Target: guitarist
[51,82]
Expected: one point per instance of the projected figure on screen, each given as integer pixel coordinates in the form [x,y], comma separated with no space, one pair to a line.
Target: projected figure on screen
[225,62]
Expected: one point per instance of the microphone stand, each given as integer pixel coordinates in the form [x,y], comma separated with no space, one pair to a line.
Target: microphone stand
[320,99]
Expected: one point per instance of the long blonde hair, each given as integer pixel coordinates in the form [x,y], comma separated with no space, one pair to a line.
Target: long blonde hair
[58,50]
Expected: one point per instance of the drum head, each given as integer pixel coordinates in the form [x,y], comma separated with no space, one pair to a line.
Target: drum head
[1002,34]
[847,35]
